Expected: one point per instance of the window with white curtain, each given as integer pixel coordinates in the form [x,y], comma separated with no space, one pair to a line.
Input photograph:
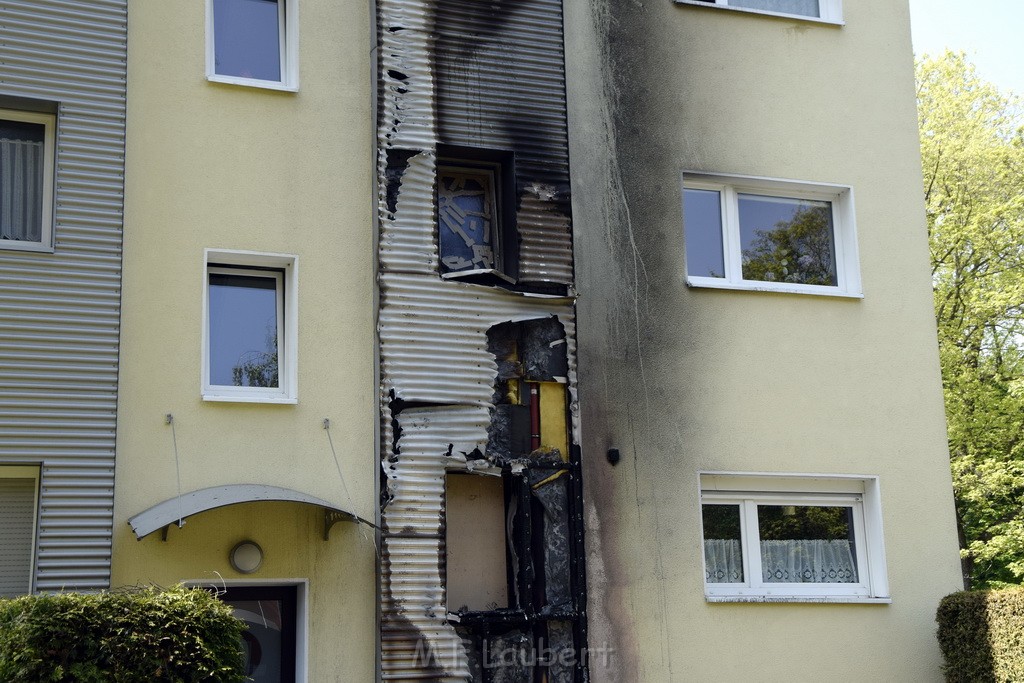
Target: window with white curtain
[26,180]
[792,537]
[830,11]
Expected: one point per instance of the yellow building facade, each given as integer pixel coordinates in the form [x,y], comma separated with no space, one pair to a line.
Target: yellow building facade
[578,433]
[698,376]
[252,172]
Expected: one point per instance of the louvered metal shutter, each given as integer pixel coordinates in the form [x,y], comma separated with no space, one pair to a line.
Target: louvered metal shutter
[17,533]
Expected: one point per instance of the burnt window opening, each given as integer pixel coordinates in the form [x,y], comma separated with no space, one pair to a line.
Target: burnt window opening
[530,398]
[510,556]
[476,216]
[476,551]
[524,527]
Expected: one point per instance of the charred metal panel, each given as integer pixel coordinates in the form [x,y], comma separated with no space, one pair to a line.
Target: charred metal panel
[501,85]
[553,498]
[471,76]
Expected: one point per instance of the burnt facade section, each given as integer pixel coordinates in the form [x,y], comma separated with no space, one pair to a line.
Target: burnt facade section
[481,505]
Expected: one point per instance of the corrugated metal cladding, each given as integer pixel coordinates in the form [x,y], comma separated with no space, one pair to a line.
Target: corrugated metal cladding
[459,74]
[501,84]
[59,312]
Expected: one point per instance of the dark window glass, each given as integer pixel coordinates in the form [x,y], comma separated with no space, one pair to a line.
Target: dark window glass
[247,39]
[467,228]
[243,330]
[723,552]
[702,220]
[21,180]
[269,643]
[787,240]
[807,544]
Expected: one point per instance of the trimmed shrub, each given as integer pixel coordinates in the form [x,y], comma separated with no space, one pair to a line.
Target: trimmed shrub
[981,634]
[144,634]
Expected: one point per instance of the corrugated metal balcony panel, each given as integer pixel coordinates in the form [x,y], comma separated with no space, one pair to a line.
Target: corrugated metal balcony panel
[59,311]
[419,316]
[467,75]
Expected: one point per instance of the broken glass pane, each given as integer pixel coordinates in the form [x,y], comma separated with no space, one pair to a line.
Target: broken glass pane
[466,225]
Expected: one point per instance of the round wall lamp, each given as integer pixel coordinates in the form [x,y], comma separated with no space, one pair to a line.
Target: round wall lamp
[246,557]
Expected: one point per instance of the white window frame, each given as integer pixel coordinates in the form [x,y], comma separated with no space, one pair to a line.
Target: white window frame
[859,492]
[831,10]
[729,187]
[288,44]
[301,612]
[287,266]
[49,123]
[28,472]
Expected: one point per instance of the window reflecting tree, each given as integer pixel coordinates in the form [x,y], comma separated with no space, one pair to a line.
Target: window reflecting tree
[799,250]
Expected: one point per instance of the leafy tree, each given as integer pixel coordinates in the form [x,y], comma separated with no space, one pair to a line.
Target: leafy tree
[972,150]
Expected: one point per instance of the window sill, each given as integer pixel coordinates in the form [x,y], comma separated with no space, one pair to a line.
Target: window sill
[813,290]
[820,599]
[17,245]
[748,10]
[223,398]
[253,83]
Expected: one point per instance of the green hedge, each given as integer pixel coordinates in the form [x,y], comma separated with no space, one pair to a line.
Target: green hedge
[145,634]
[981,634]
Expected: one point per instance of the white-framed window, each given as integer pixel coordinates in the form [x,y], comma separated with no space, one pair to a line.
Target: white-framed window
[828,11]
[19,500]
[275,646]
[253,42]
[250,327]
[768,234]
[792,538]
[27,143]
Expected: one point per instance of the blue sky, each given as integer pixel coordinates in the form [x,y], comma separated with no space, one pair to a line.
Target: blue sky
[991,32]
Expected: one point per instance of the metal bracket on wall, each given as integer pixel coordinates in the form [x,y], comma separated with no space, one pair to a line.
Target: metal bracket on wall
[332,517]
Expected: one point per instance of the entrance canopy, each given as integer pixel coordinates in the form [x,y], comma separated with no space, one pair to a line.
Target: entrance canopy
[174,511]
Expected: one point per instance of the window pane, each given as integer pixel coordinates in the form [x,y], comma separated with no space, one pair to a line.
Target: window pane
[723,556]
[21,180]
[247,39]
[806,8]
[787,240]
[467,231]
[807,544]
[702,220]
[268,644]
[243,330]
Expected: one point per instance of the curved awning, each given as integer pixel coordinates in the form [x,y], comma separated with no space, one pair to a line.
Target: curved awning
[174,511]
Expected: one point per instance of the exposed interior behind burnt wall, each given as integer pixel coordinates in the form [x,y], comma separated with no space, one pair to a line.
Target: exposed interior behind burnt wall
[482,572]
